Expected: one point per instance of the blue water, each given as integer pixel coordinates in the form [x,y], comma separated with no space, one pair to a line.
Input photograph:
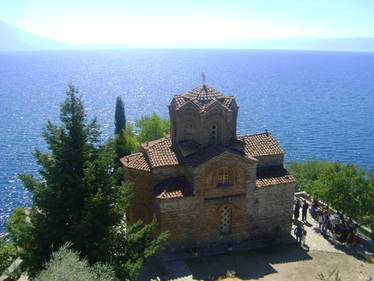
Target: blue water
[317,104]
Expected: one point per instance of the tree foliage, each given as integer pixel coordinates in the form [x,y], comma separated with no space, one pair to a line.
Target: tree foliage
[343,186]
[119,117]
[151,127]
[124,138]
[77,199]
[65,265]
[8,254]
[125,143]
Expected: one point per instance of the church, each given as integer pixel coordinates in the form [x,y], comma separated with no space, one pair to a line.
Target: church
[206,184]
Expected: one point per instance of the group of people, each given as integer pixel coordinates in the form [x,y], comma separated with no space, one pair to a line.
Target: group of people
[342,231]
[304,210]
[299,231]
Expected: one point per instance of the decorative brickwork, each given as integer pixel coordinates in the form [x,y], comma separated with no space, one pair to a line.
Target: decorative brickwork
[205,184]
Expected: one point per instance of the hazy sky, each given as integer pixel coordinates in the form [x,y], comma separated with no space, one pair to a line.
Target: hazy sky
[143,21]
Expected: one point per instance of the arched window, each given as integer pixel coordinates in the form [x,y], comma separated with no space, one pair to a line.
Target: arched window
[225,176]
[225,219]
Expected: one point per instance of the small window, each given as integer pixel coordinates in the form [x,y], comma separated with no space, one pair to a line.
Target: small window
[224,177]
[225,220]
[213,133]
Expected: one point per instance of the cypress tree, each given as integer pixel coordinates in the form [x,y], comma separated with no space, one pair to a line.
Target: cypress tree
[119,117]
[78,199]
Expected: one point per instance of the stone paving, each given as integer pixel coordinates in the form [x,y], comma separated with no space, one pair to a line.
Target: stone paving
[174,267]
[177,270]
[315,241]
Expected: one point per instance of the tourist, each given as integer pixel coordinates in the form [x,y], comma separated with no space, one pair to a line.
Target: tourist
[320,222]
[303,237]
[304,211]
[342,217]
[296,211]
[298,233]
[325,222]
[334,223]
[355,231]
[350,233]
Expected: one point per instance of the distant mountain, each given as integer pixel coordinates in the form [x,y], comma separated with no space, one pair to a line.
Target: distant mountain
[15,39]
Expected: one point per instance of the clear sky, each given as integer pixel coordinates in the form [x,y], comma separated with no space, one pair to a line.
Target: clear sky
[143,21]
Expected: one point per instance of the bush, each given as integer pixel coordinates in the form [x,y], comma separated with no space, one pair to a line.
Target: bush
[8,253]
[65,265]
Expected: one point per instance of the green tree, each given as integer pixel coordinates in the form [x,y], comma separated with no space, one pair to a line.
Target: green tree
[342,187]
[307,172]
[77,199]
[119,117]
[65,265]
[124,136]
[151,127]
[8,253]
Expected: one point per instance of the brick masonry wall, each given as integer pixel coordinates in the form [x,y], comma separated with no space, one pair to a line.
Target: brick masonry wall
[198,218]
[274,207]
[254,211]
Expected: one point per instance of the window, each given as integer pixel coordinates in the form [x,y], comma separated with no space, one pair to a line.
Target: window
[225,219]
[213,133]
[224,176]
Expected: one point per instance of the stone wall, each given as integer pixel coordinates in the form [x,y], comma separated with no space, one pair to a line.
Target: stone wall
[143,199]
[189,123]
[252,211]
[272,206]
[198,218]
[270,160]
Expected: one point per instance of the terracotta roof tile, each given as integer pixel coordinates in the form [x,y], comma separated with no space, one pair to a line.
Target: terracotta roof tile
[203,97]
[160,152]
[136,161]
[170,195]
[272,176]
[176,187]
[261,144]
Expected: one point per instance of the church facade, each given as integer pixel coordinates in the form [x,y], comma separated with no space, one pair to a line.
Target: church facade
[203,182]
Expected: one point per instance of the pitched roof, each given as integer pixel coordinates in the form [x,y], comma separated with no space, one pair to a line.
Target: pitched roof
[208,153]
[136,161]
[272,176]
[175,187]
[160,152]
[203,97]
[260,145]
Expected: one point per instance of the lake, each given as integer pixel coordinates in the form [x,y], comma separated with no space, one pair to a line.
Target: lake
[317,104]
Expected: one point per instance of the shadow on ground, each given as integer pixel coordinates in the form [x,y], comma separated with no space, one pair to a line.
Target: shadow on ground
[252,264]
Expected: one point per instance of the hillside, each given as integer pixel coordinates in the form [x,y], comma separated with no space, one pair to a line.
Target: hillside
[15,39]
